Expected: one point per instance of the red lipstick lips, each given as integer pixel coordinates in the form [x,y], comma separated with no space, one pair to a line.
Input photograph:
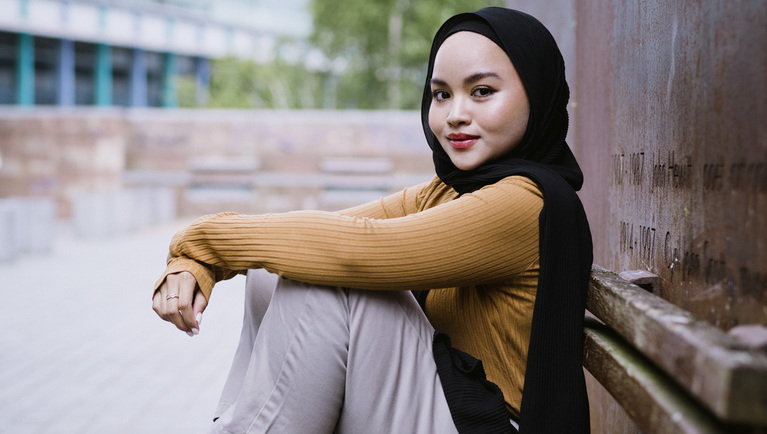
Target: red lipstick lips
[461,140]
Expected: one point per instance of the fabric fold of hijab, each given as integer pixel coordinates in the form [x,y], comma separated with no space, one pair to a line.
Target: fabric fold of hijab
[554,396]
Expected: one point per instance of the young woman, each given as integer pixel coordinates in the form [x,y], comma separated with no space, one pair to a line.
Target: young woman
[496,247]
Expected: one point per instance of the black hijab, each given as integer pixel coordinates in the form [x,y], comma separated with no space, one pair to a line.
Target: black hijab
[554,396]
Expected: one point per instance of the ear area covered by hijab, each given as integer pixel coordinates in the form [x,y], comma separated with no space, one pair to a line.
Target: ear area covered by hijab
[554,396]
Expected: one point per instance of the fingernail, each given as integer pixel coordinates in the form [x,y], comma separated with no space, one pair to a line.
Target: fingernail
[199,318]
[190,334]
[195,332]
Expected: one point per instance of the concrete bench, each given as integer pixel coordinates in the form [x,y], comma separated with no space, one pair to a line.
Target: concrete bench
[670,372]
[281,183]
[115,212]
[222,172]
[348,181]
[27,225]
[8,248]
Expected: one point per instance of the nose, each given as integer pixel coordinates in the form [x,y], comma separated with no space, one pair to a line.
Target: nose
[459,112]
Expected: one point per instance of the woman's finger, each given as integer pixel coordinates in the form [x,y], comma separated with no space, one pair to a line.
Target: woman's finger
[186,291]
[200,303]
[174,288]
[157,302]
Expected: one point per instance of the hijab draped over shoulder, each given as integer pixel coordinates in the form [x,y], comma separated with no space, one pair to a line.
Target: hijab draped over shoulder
[554,395]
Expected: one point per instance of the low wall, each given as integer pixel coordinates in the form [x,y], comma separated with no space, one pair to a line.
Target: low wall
[51,153]
[213,160]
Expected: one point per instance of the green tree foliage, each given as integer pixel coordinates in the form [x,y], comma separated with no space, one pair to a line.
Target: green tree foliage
[385,44]
[239,83]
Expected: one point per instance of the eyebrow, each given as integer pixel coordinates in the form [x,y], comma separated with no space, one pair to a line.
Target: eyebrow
[468,80]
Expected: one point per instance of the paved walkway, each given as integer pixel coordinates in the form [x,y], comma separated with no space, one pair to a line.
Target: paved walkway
[81,350]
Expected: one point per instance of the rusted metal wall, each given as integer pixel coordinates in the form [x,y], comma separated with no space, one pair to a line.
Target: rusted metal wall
[672,132]
[671,129]
[669,123]
[669,120]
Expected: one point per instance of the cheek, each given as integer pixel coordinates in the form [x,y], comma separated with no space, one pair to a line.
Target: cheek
[434,124]
[511,119]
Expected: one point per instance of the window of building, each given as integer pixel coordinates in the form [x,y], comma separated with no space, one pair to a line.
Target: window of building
[46,62]
[8,47]
[185,66]
[85,73]
[122,59]
[155,64]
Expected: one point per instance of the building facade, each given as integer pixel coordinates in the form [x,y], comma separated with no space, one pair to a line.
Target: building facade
[132,53]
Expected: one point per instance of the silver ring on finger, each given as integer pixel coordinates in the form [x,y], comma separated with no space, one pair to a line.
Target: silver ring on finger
[171,296]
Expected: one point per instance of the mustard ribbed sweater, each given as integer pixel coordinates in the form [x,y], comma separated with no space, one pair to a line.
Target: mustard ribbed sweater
[477,253]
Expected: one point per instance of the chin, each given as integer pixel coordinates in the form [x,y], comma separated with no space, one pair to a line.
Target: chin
[467,165]
[466,160]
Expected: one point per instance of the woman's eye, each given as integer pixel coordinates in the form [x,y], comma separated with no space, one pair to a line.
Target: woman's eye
[483,91]
[440,95]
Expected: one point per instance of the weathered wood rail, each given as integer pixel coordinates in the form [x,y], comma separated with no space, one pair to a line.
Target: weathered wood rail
[670,372]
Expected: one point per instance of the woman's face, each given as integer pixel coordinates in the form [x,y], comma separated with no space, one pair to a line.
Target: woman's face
[479,108]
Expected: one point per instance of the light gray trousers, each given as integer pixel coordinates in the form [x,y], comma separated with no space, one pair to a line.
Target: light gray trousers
[319,360]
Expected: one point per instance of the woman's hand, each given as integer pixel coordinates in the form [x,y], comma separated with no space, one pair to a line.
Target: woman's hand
[180,301]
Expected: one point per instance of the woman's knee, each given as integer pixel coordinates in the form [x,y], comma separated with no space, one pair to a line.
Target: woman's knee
[259,287]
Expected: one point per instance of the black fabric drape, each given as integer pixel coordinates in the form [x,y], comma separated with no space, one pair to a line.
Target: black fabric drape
[554,396]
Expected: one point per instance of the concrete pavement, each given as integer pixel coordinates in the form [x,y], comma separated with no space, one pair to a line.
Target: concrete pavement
[81,350]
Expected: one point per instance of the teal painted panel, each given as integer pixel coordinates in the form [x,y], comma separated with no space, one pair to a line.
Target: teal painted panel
[103,75]
[25,71]
[169,94]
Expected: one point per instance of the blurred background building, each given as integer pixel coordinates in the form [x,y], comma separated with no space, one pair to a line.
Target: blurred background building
[132,53]
[100,96]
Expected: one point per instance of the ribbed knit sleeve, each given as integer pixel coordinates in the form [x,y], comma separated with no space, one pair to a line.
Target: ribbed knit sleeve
[399,204]
[484,237]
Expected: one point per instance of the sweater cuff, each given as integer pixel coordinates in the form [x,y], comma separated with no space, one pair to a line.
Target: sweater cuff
[205,276]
